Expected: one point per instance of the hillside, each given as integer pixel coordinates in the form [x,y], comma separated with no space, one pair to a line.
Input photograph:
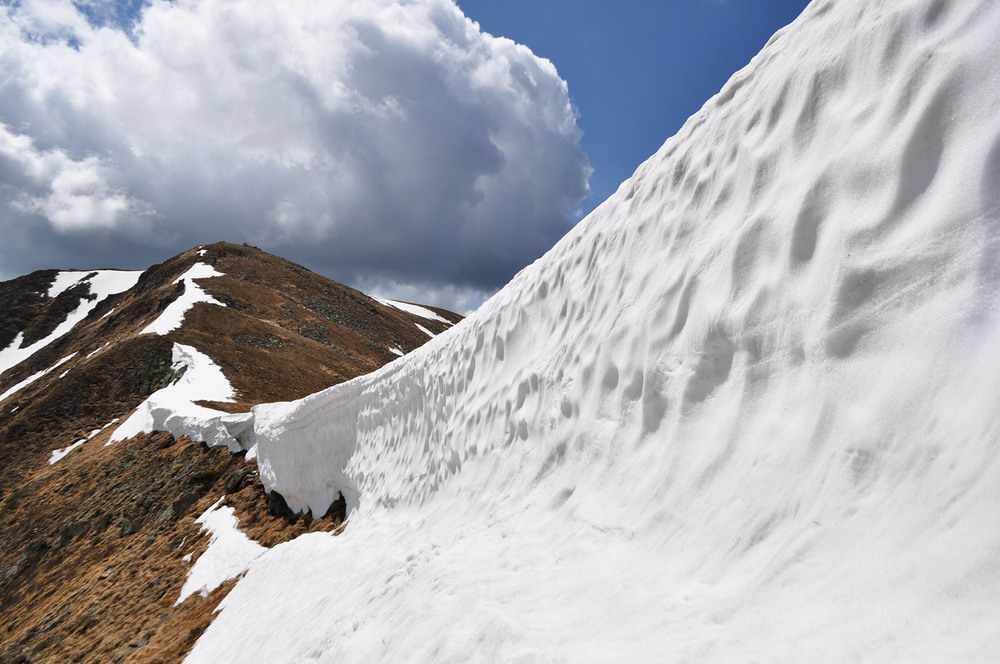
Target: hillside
[745,411]
[94,534]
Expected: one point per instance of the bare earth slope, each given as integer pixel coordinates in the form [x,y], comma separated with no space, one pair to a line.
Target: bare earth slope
[91,545]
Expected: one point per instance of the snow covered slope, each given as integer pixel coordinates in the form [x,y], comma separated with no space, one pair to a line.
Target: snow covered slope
[746,411]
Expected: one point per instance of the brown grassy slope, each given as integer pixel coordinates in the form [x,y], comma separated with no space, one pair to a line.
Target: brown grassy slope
[52,414]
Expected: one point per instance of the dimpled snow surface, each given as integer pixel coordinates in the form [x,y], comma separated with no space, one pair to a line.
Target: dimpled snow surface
[748,410]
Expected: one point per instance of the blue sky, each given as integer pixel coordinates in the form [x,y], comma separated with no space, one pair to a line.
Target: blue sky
[637,69]
[394,146]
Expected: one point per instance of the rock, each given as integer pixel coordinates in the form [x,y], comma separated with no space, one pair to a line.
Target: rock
[131,526]
[177,508]
[276,506]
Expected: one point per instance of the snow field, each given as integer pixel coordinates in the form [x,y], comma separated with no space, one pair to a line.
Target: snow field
[745,411]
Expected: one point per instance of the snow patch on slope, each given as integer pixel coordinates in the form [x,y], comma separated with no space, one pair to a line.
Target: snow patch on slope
[64,281]
[173,315]
[414,309]
[172,408]
[102,282]
[229,554]
[62,452]
[745,411]
[35,376]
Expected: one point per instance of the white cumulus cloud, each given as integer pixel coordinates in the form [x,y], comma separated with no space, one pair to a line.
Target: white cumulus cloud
[384,141]
[71,194]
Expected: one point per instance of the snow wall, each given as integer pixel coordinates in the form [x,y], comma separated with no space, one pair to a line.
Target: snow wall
[746,411]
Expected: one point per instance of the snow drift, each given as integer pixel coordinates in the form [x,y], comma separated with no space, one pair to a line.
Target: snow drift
[746,410]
